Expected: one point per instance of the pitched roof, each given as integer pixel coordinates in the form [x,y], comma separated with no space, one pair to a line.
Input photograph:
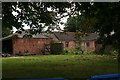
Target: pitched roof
[51,36]
[56,36]
[8,37]
[41,36]
[34,36]
[91,36]
[65,36]
[71,36]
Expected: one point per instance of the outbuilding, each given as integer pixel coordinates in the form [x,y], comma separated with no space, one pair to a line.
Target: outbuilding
[15,43]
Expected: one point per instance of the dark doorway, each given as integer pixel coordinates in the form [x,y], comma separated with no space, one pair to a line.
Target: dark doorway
[7,46]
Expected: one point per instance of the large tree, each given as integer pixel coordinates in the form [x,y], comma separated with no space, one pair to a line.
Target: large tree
[80,23]
[107,21]
[33,14]
[102,18]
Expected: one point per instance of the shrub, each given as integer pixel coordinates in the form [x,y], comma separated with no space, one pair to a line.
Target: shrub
[114,53]
[53,41]
[66,51]
[72,52]
[77,52]
[88,52]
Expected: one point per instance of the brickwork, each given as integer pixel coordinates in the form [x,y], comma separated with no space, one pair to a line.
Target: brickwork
[29,45]
[90,47]
[35,45]
[71,44]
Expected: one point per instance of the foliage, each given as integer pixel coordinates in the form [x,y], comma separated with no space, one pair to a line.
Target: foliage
[80,23]
[107,22]
[102,18]
[77,51]
[114,53]
[33,14]
[73,24]
[6,31]
[78,36]
[89,53]
[27,36]
[101,51]
[78,48]
[54,41]
[66,51]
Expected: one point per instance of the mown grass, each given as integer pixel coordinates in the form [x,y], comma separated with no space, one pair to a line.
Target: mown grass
[59,66]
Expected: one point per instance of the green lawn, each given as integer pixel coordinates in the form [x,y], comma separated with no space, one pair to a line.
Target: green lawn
[59,66]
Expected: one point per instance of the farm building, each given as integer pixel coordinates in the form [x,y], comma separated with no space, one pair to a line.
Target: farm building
[16,44]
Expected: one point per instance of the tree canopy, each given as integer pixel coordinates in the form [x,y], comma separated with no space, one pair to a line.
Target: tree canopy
[80,23]
[102,18]
[33,14]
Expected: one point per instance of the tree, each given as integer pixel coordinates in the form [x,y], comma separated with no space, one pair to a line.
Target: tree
[73,24]
[106,22]
[104,19]
[80,23]
[34,14]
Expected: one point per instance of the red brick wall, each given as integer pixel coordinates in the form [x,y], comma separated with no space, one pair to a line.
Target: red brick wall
[30,45]
[91,47]
[36,45]
[71,44]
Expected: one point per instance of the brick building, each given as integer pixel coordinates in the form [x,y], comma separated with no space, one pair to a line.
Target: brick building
[15,43]
[70,42]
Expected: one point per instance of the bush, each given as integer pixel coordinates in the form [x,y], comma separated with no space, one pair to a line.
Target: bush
[88,52]
[114,53]
[72,52]
[77,51]
[66,51]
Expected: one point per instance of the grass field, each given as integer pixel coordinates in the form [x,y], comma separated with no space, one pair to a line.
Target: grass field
[59,66]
